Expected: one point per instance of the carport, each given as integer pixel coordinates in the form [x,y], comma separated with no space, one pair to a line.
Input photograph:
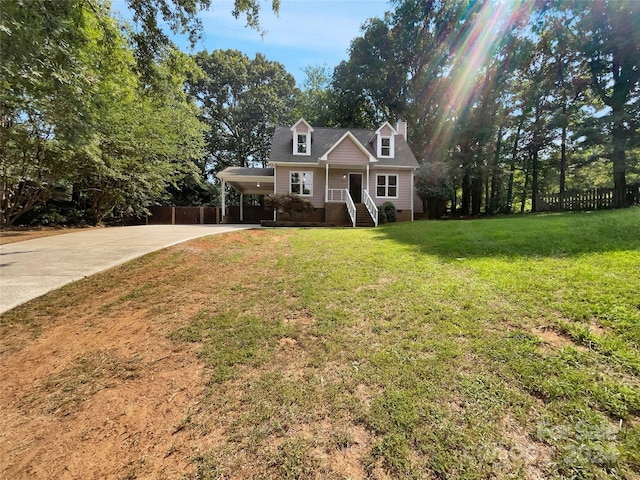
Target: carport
[247,181]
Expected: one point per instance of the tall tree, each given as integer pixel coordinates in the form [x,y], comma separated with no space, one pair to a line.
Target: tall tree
[242,100]
[611,32]
[315,101]
[181,17]
[44,101]
[74,113]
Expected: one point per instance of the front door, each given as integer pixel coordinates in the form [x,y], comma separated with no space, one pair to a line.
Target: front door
[355,187]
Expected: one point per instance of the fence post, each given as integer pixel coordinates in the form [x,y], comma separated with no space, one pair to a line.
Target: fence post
[173,215]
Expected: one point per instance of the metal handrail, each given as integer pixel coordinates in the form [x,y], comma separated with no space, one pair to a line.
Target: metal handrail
[351,207]
[371,207]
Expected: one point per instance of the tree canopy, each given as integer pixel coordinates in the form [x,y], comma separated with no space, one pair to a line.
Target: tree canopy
[507,100]
[84,112]
[517,97]
[241,100]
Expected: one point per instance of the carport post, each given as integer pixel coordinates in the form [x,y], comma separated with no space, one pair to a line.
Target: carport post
[222,201]
[241,207]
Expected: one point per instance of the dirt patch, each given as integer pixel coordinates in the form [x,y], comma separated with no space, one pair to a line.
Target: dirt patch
[21,235]
[553,340]
[97,401]
[518,448]
[92,387]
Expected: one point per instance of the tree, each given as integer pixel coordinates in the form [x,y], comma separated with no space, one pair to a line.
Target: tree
[241,100]
[370,86]
[74,112]
[146,140]
[611,32]
[434,186]
[181,17]
[315,101]
[44,99]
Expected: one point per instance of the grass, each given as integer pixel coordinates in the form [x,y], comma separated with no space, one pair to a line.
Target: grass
[501,348]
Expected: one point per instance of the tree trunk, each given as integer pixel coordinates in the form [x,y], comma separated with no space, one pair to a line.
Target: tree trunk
[496,177]
[465,207]
[535,189]
[487,198]
[563,162]
[512,166]
[476,195]
[523,198]
[619,168]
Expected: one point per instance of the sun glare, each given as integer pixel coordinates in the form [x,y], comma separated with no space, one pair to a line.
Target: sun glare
[471,51]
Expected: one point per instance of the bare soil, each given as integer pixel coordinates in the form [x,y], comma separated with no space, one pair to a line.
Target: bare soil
[92,387]
[89,399]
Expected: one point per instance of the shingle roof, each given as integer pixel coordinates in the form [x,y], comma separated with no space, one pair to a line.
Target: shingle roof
[322,139]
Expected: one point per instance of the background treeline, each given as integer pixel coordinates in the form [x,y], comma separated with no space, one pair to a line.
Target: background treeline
[504,100]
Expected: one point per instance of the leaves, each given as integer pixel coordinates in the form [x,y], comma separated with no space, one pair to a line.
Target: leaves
[241,100]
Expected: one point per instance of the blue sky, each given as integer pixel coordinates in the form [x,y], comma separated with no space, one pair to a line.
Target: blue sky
[305,32]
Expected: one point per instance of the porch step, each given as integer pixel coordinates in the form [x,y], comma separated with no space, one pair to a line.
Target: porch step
[363,219]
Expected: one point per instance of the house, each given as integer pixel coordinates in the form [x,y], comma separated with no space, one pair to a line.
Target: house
[346,173]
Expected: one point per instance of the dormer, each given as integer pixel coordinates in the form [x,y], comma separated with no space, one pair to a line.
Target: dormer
[385,141]
[301,137]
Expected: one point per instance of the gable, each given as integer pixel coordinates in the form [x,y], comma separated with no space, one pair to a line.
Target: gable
[347,152]
[386,131]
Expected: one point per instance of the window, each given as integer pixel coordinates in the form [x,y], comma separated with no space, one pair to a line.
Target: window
[302,144]
[387,186]
[385,146]
[302,183]
[385,150]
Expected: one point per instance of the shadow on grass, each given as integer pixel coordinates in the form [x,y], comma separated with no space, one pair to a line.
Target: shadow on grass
[538,235]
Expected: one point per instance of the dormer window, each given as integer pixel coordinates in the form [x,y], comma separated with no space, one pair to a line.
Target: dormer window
[385,141]
[385,147]
[302,143]
[301,132]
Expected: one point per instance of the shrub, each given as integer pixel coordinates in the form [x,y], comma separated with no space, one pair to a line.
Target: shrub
[287,203]
[382,216]
[57,213]
[390,211]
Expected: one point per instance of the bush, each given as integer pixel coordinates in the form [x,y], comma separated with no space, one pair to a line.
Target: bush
[57,213]
[390,211]
[382,216]
[287,203]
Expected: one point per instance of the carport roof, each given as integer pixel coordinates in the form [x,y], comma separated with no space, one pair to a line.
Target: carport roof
[249,181]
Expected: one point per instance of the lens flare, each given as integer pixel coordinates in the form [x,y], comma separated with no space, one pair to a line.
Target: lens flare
[483,28]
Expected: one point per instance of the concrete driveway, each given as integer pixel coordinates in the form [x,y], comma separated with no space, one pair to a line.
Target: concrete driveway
[34,267]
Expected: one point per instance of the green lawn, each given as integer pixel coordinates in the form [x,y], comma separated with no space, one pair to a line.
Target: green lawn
[499,348]
[502,348]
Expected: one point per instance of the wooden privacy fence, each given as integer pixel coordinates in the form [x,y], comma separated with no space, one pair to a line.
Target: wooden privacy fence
[184,215]
[594,199]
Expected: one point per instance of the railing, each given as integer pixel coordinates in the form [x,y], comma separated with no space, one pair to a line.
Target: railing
[351,207]
[371,207]
[336,194]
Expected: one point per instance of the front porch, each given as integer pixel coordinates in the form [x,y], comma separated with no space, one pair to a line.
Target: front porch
[349,185]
